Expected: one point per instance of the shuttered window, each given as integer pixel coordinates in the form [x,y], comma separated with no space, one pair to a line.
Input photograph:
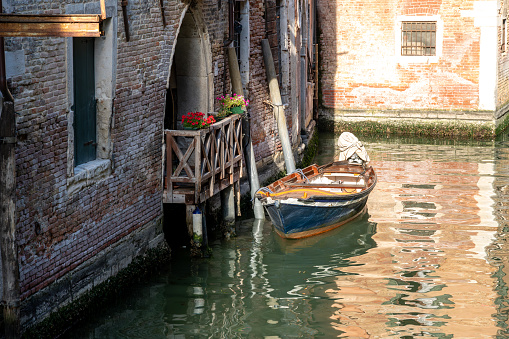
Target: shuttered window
[85,139]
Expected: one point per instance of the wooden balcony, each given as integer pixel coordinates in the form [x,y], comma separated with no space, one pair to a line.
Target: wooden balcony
[201,163]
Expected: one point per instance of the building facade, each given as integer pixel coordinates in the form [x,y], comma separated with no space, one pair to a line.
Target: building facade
[415,60]
[91,114]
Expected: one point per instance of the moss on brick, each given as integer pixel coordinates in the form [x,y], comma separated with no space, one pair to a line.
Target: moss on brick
[502,126]
[440,129]
[95,299]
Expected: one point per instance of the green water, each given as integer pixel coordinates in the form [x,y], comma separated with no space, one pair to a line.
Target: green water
[427,260]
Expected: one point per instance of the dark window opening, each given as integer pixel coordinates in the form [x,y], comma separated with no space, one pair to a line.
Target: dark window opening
[418,38]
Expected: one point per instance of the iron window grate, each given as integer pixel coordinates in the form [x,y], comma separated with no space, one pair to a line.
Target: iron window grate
[418,38]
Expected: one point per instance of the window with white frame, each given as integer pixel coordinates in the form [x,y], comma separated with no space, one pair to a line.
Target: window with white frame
[418,38]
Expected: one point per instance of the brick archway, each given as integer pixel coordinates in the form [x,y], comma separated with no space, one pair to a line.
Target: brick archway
[190,74]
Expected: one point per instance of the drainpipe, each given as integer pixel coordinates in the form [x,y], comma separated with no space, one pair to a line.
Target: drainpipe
[231,25]
[303,66]
[303,86]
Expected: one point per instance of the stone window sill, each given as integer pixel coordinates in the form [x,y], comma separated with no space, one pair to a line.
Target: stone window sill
[88,174]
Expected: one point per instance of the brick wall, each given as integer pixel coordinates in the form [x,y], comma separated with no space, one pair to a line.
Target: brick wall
[360,68]
[58,232]
[503,66]
[70,240]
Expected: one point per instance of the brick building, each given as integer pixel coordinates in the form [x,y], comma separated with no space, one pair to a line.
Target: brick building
[416,60]
[89,192]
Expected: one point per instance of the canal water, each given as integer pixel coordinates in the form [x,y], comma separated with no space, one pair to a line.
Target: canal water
[429,259]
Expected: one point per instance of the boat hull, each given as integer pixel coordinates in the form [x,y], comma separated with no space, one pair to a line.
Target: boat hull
[300,220]
[317,199]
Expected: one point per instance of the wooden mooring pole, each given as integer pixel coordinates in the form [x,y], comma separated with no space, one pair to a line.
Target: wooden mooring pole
[277,104]
[252,171]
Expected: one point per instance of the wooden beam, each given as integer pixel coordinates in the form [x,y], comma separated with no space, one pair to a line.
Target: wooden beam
[60,25]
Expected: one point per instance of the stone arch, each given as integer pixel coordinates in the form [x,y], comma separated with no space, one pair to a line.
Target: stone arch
[190,85]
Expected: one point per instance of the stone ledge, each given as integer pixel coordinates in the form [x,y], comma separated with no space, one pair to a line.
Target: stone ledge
[451,115]
[88,174]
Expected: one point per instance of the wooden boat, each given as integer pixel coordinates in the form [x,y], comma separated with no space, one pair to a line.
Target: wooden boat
[317,199]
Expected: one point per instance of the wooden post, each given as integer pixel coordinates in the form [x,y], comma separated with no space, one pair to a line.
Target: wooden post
[8,246]
[189,218]
[233,64]
[279,112]
[228,208]
[103,9]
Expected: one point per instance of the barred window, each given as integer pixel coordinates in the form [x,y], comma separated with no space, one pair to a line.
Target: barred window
[418,38]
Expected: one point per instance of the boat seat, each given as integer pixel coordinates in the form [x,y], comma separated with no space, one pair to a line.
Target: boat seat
[344,185]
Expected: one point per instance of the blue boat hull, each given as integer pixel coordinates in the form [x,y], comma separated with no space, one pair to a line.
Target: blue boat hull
[318,198]
[303,220]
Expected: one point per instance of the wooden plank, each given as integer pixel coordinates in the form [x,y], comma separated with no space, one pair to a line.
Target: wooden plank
[169,164]
[206,166]
[241,151]
[347,185]
[223,152]
[53,18]
[213,160]
[188,133]
[185,180]
[44,29]
[183,159]
[197,167]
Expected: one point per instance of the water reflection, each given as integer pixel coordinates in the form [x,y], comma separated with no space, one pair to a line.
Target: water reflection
[415,265]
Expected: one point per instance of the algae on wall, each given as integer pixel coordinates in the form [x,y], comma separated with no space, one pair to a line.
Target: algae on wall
[419,128]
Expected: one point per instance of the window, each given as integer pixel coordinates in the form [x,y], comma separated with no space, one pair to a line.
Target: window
[91,87]
[418,38]
[85,140]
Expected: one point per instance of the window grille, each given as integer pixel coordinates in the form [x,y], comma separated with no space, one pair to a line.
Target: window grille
[418,38]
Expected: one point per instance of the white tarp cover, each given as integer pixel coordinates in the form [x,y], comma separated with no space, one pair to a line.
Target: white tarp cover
[349,145]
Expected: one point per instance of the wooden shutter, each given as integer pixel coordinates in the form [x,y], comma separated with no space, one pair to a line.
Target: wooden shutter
[85,140]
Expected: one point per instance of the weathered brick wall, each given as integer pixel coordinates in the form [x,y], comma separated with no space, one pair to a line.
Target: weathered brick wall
[72,240]
[360,69]
[503,67]
[57,231]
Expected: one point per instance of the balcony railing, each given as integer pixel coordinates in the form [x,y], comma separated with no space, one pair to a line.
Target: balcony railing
[201,163]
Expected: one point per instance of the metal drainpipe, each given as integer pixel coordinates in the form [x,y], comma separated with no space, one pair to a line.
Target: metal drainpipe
[231,26]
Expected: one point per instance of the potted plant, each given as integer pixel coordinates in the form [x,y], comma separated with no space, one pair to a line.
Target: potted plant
[235,104]
[197,120]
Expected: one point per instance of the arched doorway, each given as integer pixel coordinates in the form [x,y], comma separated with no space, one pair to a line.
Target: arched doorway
[190,84]
[190,89]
